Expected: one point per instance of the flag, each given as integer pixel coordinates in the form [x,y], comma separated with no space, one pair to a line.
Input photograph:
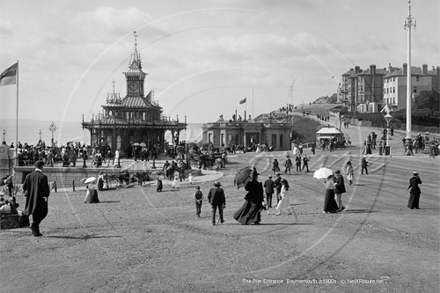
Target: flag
[9,76]
[243,101]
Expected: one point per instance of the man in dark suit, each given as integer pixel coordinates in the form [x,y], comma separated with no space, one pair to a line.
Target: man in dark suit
[364,165]
[287,165]
[339,189]
[36,188]
[298,163]
[269,189]
[216,198]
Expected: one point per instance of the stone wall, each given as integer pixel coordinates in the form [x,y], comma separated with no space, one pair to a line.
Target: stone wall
[67,176]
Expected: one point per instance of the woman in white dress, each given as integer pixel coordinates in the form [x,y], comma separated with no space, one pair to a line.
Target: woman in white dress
[284,202]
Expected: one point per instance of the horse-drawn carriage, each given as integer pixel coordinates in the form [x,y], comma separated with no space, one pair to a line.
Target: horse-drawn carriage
[203,159]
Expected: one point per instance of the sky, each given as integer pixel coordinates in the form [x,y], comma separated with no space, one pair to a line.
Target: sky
[201,57]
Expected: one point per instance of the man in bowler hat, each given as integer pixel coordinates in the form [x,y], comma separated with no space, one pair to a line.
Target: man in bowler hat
[269,186]
[216,198]
[36,188]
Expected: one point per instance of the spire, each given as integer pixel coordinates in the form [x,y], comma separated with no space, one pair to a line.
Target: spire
[135,60]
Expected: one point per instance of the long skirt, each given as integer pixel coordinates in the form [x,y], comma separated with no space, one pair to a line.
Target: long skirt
[249,213]
[92,196]
[159,185]
[284,203]
[100,184]
[330,204]
[413,201]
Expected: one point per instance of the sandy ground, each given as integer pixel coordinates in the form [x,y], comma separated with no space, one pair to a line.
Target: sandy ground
[137,240]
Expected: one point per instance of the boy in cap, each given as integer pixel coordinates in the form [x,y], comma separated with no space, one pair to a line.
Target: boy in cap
[198,199]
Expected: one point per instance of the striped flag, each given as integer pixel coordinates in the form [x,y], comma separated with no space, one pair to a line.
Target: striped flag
[243,101]
[9,76]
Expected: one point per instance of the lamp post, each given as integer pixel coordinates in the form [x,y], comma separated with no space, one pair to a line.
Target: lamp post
[388,118]
[52,128]
[40,134]
[409,22]
[4,135]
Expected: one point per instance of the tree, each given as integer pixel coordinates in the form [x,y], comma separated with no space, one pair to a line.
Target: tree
[428,100]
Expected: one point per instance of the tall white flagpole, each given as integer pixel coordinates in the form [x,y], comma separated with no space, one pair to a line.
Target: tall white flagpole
[16,116]
[252,103]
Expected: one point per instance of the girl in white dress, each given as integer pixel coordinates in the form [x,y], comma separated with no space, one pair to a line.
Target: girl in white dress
[176,182]
[284,202]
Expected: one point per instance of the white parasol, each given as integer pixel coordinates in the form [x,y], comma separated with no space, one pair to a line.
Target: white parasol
[322,173]
[90,180]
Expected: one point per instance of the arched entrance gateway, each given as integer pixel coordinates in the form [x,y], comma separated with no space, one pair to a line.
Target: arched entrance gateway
[136,118]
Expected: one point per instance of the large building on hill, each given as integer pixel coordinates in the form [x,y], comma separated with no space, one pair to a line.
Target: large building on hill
[395,84]
[370,89]
[135,118]
[271,130]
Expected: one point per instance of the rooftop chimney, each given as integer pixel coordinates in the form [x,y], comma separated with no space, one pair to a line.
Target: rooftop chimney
[425,69]
[405,68]
[373,69]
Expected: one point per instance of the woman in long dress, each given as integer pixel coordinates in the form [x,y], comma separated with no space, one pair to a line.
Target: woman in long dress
[249,213]
[284,202]
[100,181]
[330,205]
[275,166]
[91,194]
[413,202]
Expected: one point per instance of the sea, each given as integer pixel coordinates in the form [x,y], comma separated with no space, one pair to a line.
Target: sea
[31,131]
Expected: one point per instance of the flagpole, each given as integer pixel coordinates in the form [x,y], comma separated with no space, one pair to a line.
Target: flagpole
[253,104]
[16,118]
[245,109]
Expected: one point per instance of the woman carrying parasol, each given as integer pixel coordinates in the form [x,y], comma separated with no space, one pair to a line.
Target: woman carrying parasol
[249,213]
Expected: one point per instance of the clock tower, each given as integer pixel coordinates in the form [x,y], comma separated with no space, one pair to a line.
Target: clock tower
[135,77]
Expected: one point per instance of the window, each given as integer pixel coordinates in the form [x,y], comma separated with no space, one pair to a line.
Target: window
[387,91]
[415,90]
[394,89]
[417,78]
[281,140]
[274,140]
[394,100]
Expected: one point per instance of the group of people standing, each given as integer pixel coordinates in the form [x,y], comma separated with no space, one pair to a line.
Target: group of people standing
[301,163]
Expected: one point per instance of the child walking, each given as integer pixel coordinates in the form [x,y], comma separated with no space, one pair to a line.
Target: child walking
[159,182]
[198,199]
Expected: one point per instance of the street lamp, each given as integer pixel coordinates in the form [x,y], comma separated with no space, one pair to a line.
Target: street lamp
[52,128]
[4,135]
[40,134]
[388,118]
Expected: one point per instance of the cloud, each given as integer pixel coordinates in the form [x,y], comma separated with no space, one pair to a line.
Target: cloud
[116,19]
[5,28]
